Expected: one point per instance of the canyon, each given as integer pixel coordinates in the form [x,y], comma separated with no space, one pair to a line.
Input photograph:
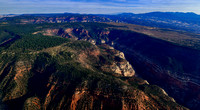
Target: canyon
[83,64]
[154,59]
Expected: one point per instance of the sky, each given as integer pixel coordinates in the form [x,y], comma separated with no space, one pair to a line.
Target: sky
[97,6]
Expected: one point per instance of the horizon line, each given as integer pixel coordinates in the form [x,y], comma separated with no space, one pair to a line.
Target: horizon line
[97,13]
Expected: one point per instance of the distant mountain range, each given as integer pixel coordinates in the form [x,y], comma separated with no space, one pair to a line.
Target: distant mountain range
[173,20]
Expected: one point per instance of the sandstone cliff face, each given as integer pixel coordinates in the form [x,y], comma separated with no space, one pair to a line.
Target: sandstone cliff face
[79,34]
[70,76]
[18,80]
[120,65]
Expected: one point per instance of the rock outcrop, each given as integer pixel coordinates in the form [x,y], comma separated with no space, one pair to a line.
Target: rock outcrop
[79,34]
[120,65]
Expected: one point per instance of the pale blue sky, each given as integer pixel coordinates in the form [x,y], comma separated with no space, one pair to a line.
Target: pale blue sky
[97,6]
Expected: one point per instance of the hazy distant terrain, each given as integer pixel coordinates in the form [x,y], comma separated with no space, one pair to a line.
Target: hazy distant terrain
[173,20]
